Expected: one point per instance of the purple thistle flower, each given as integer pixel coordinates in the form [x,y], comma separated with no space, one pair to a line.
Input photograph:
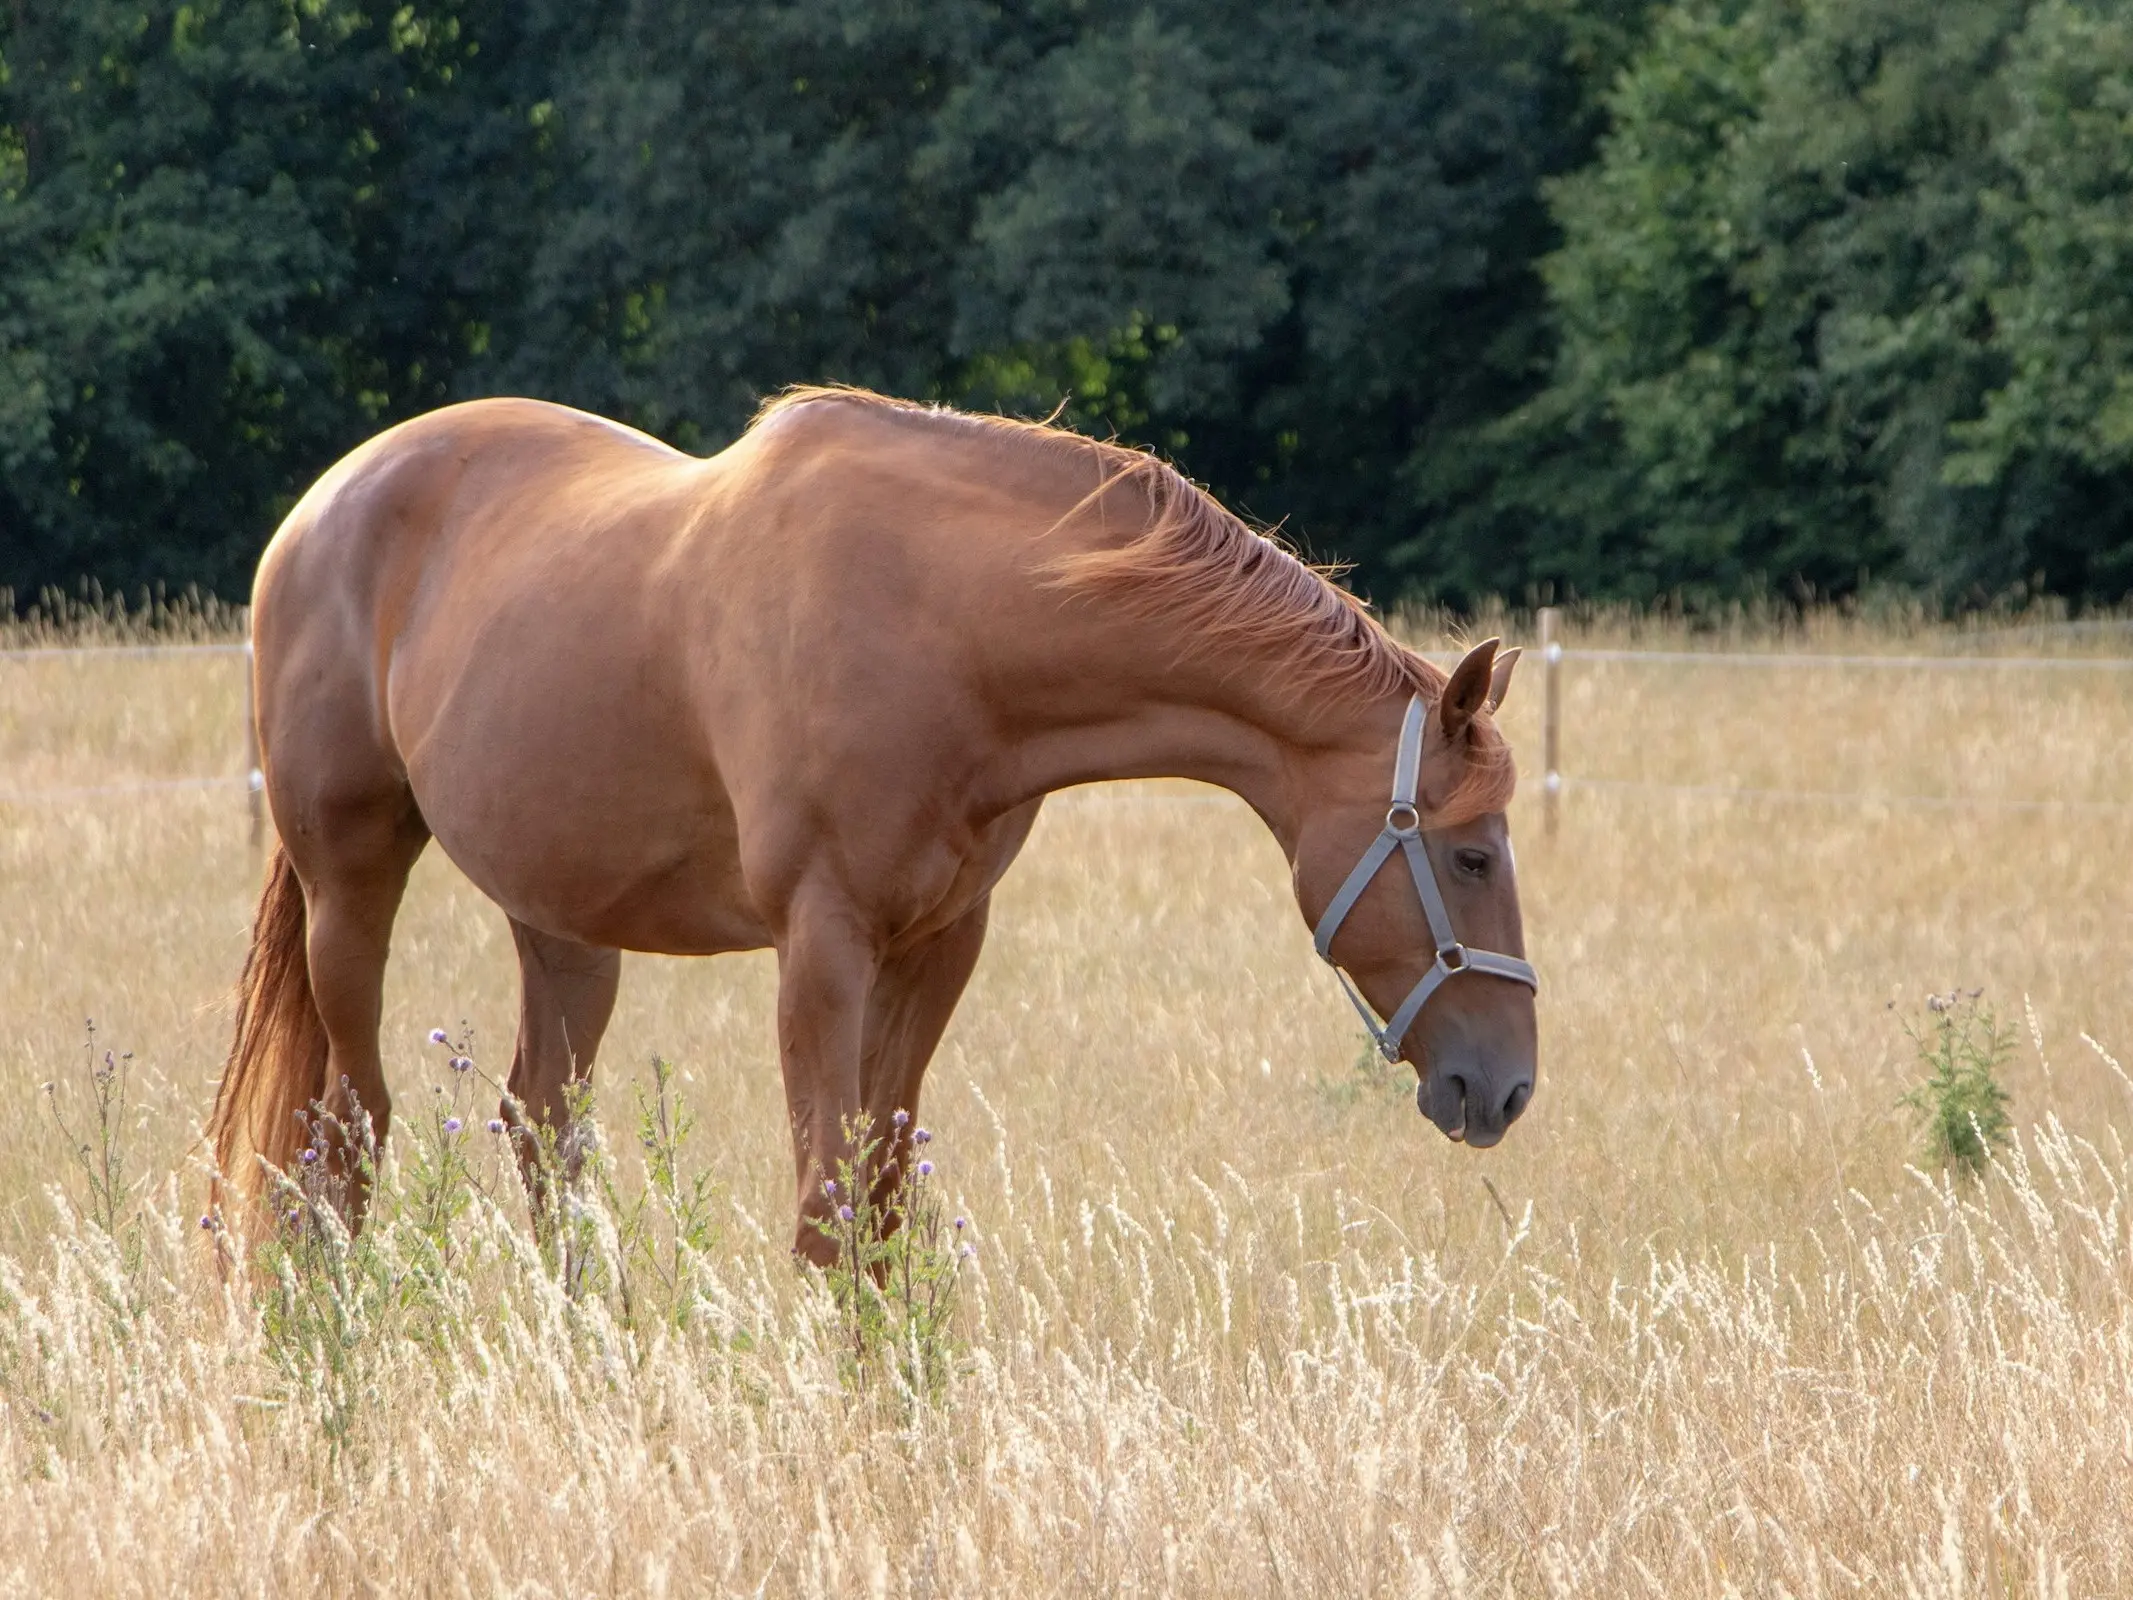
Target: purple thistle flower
[921,1136]
[462,1063]
[829,1187]
[453,1124]
[844,1213]
[208,1223]
[438,1036]
[900,1119]
[925,1169]
[961,1223]
[969,1252]
[496,1124]
[307,1157]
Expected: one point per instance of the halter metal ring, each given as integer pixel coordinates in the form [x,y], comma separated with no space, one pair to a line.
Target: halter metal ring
[1411,828]
[1453,958]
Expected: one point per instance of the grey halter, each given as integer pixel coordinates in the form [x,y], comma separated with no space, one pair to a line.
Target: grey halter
[1403,832]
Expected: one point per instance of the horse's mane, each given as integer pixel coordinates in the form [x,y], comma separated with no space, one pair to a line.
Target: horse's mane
[1220,587]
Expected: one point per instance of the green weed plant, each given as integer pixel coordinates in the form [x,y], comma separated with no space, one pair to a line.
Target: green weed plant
[616,1260]
[899,1262]
[1961,1105]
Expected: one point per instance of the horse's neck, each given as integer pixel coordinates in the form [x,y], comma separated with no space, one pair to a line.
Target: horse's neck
[1093,692]
[1144,708]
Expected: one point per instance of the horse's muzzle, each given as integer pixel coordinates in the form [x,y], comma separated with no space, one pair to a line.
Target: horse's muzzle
[1473,1107]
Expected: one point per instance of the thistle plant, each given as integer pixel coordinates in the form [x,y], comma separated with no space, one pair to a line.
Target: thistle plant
[899,1261]
[328,1286]
[336,1304]
[646,1245]
[562,1171]
[98,1148]
[433,1186]
[334,1294]
[667,1230]
[1961,1106]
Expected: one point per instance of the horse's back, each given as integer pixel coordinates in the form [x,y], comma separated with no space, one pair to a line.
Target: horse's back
[424,527]
[374,517]
[459,610]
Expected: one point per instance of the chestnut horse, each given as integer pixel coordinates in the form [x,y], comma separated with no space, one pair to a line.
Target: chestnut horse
[809,693]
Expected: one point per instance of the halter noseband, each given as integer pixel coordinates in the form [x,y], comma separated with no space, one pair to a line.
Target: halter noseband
[1403,832]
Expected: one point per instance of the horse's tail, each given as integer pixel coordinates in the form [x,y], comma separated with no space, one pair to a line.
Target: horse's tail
[277,1065]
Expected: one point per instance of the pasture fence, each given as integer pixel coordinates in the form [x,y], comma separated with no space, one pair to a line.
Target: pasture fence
[252,779]
[1555,782]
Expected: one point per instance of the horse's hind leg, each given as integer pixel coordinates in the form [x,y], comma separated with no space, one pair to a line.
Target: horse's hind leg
[353,859]
[566,995]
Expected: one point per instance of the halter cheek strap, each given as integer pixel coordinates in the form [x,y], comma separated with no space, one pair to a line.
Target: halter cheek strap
[1403,832]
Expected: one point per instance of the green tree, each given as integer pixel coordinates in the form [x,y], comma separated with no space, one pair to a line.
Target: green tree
[1791,297]
[736,209]
[234,237]
[154,241]
[1291,244]
[2062,304]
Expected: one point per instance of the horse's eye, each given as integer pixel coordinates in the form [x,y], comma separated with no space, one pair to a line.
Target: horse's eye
[1474,863]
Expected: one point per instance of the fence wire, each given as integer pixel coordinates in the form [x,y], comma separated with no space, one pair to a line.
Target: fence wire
[1856,798]
[90,652]
[62,794]
[98,791]
[1772,658]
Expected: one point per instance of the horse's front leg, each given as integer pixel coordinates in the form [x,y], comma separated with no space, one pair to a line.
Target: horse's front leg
[914,996]
[827,968]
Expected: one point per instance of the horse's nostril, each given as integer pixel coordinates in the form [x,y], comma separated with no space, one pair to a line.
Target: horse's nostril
[1446,1098]
[1516,1101]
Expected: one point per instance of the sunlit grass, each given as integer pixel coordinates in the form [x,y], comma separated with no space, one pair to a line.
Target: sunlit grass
[1240,1321]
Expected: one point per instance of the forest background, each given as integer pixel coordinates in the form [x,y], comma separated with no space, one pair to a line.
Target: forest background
[1538,298]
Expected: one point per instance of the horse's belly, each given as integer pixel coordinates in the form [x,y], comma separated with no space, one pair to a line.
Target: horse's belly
[595,827]
[616,875]
[570,778]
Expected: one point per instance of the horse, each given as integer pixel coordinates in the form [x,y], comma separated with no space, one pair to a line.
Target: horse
[809,693]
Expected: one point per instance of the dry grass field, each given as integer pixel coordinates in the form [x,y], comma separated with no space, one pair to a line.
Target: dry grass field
[1240,1322]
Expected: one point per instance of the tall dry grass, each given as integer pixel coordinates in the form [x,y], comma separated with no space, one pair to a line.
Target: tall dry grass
[1241,1322]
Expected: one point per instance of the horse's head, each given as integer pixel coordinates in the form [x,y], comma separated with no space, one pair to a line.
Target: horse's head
[1449,979]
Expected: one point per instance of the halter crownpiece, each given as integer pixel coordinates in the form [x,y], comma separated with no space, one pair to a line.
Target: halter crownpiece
[1403,832]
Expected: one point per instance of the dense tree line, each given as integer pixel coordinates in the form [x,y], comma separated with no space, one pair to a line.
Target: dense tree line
[1845,295]
[1605,297]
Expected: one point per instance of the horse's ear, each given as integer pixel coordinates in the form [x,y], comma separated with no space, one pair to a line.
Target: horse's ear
[1500,676]
[1467,691]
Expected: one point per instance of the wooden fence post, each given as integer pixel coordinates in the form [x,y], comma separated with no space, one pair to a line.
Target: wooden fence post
[255,781]
[1551,718]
